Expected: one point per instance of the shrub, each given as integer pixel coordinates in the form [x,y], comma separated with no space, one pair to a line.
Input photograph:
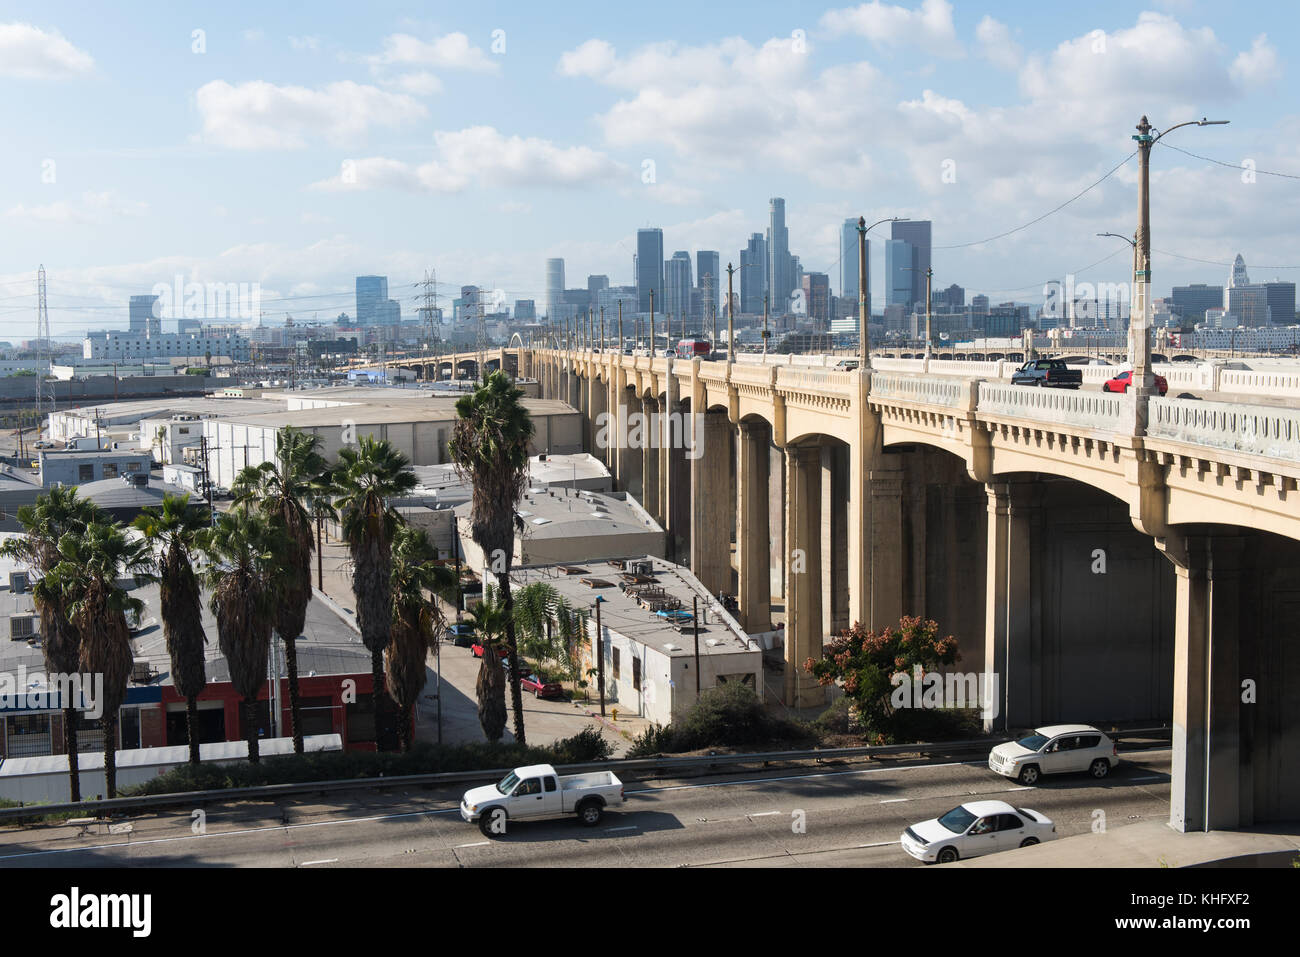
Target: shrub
[729,715]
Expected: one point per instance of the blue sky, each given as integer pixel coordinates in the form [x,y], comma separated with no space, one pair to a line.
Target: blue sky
[299,147]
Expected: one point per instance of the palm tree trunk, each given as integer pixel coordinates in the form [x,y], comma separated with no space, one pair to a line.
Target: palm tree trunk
[295,702]
[192,727]
[404,729]
[379,696]
[250,730]
[110,755]
[512,645]
[70,746]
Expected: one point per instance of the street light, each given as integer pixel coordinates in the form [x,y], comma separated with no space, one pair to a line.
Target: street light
[1139,342]
[864,288]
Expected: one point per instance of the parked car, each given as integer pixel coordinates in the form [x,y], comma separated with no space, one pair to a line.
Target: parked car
[461,634]
[974,829]
[1047,372]
[477,650]
[1122,381]
[540,689]
[1056,749]
[536,791]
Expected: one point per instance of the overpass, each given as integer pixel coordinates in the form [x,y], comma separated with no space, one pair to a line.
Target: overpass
[1103,569]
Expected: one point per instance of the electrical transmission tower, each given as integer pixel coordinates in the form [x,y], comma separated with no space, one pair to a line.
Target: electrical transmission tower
[430,308]
[480,345]
[42,330]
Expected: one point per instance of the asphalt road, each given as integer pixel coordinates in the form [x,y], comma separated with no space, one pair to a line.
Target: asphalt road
[848,816]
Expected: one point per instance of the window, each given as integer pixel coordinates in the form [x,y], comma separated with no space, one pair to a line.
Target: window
[17,580]
[133,466]
[85,473]
[20,628]
[614,662]
[1009,822]
[636,674]
[530,786]
[317,715]
[110,470]
[550,784]
[361,720]
[1089,741]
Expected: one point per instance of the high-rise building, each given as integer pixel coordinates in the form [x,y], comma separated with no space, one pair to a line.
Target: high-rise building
[708,264]
[817,297]
[649,268]
[554,288]
[916,233]
[677,285]
[900,259]
[780,270]
[374,308]
[1237,275]
[525,310]
[1281,302]
[143,319]
[849,261]
[1190,302]
[753,275]
[979,305]
[595,284]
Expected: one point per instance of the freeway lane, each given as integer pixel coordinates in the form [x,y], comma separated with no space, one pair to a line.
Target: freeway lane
[804,818]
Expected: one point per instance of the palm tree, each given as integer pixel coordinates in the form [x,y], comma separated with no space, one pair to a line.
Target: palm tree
[489,444]
[93,562]
[488,619]
[365,481]
[246,551]
[417,620]
[54,514]
[284,488]
[175,530]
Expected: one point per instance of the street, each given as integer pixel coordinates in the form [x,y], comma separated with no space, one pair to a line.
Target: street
[814,816]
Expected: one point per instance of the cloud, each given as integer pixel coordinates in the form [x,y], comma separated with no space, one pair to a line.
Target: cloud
[309,43]
[90,208]
[30,53]
[450,52]
[416,84]
[478,155]
[260,115]
[996,45]
[887,25]
[1257,66]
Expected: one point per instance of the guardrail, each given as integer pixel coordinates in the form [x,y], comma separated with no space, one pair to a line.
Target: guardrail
[272,791]
[953,392]
[1270,431]
[1093,410]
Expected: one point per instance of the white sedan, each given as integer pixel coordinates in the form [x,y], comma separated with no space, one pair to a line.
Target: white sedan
[975,828]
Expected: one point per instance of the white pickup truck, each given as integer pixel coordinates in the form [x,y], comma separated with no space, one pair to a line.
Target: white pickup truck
[536,792]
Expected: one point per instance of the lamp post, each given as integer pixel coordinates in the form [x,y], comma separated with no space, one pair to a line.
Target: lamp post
[1139,341]
[864,290]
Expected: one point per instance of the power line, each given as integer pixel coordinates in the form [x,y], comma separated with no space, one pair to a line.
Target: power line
[1039,219]
[1236,166]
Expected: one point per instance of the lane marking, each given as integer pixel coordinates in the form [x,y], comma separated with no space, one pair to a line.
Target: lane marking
[629,827]
[766,814]
[331,860]
[476,844]
[895,800]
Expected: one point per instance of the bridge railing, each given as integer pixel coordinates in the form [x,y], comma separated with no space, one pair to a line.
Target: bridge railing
[1253,429]
[953,392]
[1091,410]
[816,380]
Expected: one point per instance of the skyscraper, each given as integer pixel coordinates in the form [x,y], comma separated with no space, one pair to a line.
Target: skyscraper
[899,259]
[649,268]
[753,275]
[677,285]
[708,263]
[780,281]
[917,235]
[142,315]
[554,288]
[1281,302]
[371,291]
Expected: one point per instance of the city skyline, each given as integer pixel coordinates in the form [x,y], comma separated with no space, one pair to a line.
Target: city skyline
[378,144]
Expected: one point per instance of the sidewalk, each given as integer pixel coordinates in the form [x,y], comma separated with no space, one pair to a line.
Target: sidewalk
[1156,844]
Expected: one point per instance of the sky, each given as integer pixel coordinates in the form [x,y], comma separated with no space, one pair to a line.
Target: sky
[297,146]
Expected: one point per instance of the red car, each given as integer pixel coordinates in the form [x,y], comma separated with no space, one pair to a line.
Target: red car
[540,688]
[1122,381]
[477,650]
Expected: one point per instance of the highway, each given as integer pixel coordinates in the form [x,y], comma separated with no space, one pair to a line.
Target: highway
[814,816]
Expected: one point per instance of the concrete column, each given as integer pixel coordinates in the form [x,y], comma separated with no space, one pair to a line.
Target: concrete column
[631,468]
[752,535]
[1012,633]
[710,478]
[1206,772]
[834,534]
[776,514]
[803,590]
[884,493]
[650,460]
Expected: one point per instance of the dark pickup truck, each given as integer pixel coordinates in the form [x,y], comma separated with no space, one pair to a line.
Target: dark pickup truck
[1047,372]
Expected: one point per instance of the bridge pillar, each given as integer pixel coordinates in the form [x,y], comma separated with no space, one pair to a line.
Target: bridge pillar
[649,455]
[754,594]
[1012,639]
[710,482]
[1207,773]
[834,535]
[803,573]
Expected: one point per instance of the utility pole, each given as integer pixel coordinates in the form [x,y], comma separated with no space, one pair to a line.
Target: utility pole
[602,330]
[928,337]
[731,315]
[765,332]
[864,301]
[600,646]
[711,308]
[620,327]
[652,325]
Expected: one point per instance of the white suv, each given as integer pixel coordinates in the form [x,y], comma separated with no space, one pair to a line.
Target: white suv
[1056,749]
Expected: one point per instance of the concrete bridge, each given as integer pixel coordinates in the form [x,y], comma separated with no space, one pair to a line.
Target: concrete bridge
[1103,571]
